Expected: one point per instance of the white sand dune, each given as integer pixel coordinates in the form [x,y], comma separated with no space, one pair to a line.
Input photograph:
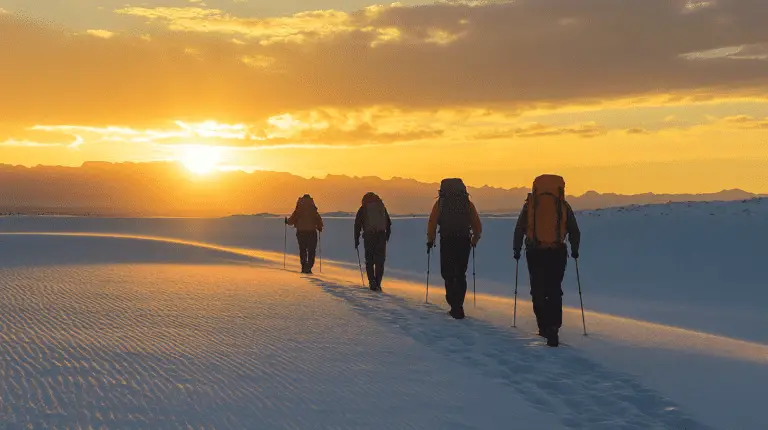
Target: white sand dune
[132,331]
[178,344]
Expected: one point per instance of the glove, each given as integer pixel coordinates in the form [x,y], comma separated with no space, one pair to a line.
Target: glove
[430,245]
[517,254]
[475,239]
[575,254]
[286,221]
[357,243]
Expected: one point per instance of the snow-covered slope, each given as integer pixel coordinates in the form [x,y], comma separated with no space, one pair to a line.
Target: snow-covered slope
[692,265]
[92,340]
[675,311]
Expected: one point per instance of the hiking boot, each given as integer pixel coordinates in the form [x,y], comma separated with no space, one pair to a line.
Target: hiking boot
[553,339]
[457,313]
[542,332]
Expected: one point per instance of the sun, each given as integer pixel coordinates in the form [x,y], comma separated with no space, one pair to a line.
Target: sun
[201,159]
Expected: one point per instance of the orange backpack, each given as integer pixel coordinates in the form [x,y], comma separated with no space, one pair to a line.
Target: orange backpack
[547,212]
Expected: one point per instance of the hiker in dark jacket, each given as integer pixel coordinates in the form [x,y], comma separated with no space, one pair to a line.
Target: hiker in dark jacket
[374,222]
[460,230]
[308,222]
[546,251]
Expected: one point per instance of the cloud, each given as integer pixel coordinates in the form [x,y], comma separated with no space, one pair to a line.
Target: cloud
[745,122]
[637,131]
[537,129]
[303,27]
[326,128]
[44,140]
[743,52]
[258,61]
[528,54]
[28,144]
[104,34]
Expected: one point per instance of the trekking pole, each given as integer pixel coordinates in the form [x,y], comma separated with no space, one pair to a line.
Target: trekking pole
[360,264]
[514,315]
[321,252]
[429,255]
[578,279]
[285,243]
[474,281]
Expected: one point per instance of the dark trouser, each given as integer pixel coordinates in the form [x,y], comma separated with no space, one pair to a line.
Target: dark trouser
[454,259]
[547,269]
[307,248]
[375,255]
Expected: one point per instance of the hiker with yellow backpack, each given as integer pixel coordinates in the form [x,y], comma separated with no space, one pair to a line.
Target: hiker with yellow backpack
[373,221]
[544,221]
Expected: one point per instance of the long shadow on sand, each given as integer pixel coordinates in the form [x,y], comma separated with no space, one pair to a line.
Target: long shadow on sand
[580,392]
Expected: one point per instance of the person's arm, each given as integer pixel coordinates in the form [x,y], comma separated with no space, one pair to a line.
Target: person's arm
[292,219]
[358,226]
[520,227]
[477,225]
[432,224]
[574,234]
[389,224]
[319,223]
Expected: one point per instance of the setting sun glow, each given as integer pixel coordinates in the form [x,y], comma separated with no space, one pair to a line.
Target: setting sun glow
[201,159]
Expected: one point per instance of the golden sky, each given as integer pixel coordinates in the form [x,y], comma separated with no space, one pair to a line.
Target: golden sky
[618,96]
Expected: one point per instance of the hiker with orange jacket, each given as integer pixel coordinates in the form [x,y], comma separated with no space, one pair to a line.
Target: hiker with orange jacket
[308,222]
[544,221]
[460,230]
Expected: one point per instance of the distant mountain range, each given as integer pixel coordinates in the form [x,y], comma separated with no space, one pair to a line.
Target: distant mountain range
[168,189]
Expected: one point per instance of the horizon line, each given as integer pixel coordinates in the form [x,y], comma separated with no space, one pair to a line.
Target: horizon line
[251,171]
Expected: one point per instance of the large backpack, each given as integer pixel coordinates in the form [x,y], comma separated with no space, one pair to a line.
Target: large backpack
[547,212]
[306,212]
[375,216]
[454,216]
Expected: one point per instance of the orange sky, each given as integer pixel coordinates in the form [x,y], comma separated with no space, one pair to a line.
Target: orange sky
[629,97]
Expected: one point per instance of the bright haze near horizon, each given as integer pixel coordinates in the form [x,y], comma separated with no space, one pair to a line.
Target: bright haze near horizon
[618,97]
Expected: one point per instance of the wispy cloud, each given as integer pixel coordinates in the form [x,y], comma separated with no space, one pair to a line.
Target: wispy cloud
[104,34]
[27,143]
[536,129]
[30,143]
[743,52]
[745,122]
[303,27]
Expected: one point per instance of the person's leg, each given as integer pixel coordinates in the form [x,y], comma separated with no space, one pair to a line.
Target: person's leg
[448,268]
[380,256]
[463,249]
[369,260]
[552,267]
[302,239]
[538,292]
[311,249]
[558,260]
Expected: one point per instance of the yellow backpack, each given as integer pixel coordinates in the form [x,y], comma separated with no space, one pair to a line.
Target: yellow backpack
[547,212]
